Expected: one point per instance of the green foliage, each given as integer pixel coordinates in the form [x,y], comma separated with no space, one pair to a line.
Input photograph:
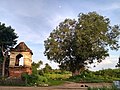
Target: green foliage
[41,72]
[58,75]
[35,67]
[54,76]
[108,75]
[47,68]
[48,78]
[42,80]
[7,37]
[76,43]
[45,76]
[34,79]
[1,59]
[1,56]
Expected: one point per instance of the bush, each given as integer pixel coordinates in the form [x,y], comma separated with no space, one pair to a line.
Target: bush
[34,79]
[42,79]
[89,76]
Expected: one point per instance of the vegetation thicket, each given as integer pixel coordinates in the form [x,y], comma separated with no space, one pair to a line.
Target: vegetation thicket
[107,75]
[57,77]
[45,76]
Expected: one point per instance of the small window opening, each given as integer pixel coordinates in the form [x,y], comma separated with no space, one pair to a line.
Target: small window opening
[19,60]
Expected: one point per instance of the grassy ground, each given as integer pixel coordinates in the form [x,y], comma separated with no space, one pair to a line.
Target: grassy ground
[55,82]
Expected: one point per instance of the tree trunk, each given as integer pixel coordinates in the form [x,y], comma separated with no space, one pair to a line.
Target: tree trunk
[3,67]
[4,60]
[76,72]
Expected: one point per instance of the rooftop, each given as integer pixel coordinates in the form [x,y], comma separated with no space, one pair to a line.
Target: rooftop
[22,47]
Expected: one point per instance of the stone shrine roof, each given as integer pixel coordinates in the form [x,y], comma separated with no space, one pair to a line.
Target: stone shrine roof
[22,47]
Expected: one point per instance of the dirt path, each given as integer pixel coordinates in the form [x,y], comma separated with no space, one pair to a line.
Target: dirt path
[66,86]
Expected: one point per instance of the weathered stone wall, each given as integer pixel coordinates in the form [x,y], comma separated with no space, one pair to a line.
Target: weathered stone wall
[18,71]
[27,57]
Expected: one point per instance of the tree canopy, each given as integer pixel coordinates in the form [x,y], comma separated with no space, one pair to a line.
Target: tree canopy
[76,43]
[7,40]
[47,68]
[36,66]
[7,37]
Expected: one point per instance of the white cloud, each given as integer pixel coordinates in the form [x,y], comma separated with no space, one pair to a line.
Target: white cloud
[57,18]
[25,33]
[109,62]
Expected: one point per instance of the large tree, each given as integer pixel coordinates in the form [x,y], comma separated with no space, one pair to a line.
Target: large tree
[77,43]
[7,40]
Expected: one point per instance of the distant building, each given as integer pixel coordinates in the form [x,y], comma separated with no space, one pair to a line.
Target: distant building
[16,67]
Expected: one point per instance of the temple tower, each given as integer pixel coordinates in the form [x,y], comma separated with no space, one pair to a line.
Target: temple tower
[20,60]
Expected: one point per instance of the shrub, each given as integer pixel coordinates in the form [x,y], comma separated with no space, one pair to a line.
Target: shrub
[107,75]
[34,79]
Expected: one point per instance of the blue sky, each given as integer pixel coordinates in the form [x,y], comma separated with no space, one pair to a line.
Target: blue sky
[33,20]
